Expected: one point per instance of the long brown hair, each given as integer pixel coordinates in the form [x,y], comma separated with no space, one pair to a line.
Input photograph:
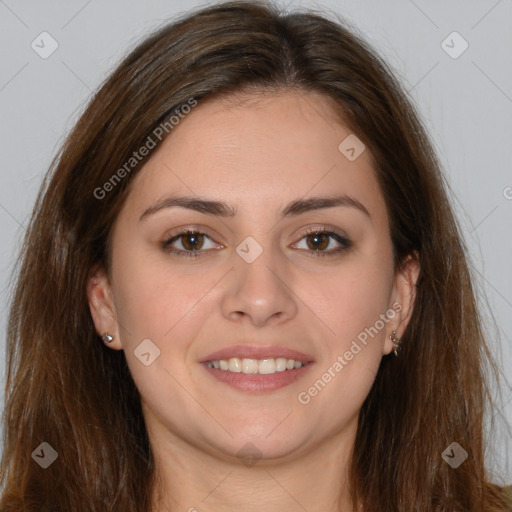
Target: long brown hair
[65,388]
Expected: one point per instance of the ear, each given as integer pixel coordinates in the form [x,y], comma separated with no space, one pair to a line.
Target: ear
[402,298]
[101,304]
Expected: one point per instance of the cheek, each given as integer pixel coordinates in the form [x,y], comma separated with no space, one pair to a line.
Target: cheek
[157,303]
[354,304]
[351,298]
[153,297]
[168,306]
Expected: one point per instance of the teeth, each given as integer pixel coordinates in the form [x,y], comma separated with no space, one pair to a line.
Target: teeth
[267,366]
[256,366]
[235,365]
[281,364]
[250,366]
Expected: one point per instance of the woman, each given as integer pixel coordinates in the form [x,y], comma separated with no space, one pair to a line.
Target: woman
[243,286]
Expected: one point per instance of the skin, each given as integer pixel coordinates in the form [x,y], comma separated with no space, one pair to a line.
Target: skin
[257,153]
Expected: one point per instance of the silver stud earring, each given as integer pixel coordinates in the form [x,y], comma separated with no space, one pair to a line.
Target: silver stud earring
[396,342]
[107,338]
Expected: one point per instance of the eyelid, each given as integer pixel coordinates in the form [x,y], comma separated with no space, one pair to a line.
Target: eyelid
[322,228]
[170,237]
[344,242]
[182,230]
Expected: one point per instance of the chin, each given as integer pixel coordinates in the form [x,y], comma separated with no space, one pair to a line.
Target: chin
[249,445]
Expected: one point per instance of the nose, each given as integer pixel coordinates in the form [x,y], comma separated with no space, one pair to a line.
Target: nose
[259,292]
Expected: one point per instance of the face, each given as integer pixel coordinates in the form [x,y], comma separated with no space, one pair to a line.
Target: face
[255,268]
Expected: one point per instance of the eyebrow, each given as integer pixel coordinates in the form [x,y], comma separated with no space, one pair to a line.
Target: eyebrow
[297,207]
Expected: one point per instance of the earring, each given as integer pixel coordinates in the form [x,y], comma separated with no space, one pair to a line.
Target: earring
[396,342]
[107,338]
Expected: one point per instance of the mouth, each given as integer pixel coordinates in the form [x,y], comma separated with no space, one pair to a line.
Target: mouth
[257,369]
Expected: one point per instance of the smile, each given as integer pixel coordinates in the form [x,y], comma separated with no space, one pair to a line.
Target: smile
[256,366]
[257,375]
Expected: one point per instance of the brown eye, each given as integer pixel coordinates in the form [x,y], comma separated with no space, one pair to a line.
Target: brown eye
[318,241]
[189,243]
[192,241]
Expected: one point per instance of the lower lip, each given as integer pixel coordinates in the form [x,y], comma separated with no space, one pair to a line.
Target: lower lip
[256,382]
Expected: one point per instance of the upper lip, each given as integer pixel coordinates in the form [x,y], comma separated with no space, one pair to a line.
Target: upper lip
[256,352]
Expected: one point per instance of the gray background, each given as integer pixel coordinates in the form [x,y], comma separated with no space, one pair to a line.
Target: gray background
[466,103]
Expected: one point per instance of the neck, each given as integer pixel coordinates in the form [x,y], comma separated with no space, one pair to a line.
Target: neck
[192,479]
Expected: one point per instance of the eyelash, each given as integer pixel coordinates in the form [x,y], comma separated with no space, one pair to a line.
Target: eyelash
[345,243]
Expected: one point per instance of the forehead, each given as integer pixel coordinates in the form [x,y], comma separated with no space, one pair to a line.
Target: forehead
[259,151]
